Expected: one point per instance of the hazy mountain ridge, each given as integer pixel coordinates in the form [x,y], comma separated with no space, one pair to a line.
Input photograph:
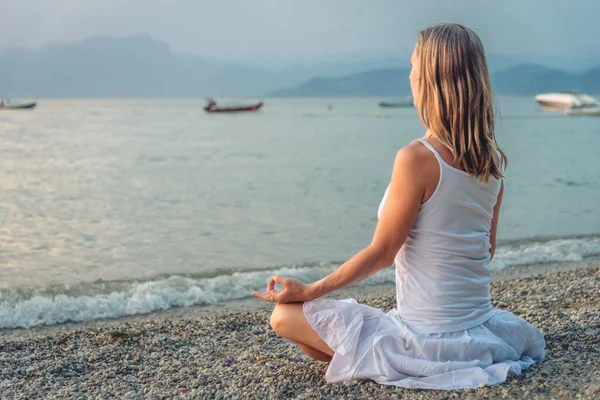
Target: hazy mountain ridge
[524,79]
[140,66]
[387,82]
[533,78]
[121,67]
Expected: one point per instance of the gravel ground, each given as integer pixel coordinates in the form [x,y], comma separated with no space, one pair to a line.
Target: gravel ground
[238,356]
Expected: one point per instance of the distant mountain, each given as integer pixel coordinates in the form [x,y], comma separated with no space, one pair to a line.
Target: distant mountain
[135,66]
[386,82]
[525,79]
[140,66]
[532,78]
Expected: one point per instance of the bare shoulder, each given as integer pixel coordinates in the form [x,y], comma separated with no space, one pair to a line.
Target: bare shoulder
[412,157]
[417,167]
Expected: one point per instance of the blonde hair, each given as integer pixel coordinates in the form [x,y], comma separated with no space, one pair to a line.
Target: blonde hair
[455,99]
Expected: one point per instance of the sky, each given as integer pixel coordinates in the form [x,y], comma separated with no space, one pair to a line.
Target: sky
[302,29]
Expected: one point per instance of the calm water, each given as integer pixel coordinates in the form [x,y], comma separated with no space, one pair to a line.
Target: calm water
[133,206]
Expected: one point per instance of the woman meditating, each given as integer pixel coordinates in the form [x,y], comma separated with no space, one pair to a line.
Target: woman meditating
[437,224]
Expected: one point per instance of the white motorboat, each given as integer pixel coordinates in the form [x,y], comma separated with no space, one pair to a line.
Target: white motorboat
[565,101]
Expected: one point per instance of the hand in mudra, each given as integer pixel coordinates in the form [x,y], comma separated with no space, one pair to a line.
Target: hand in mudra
[293,291]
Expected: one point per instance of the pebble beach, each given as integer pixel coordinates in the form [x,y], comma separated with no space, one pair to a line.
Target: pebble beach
[236,355]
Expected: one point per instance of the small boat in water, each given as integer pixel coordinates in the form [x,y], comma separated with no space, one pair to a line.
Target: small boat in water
[212,107]
[557,101]
[399,104]
[7,105]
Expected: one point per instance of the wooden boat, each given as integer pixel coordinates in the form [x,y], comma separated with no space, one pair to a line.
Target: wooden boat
[212,107]
[403,104]
[17,106]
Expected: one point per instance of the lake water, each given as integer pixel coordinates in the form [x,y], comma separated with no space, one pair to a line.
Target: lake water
[121,207]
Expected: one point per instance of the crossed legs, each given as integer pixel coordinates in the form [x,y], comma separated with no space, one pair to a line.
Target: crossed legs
[289,322]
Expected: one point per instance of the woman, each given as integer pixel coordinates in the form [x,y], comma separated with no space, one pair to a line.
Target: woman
[437,222]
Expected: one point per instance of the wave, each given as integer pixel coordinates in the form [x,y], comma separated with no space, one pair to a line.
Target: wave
[529,252]
[56,304]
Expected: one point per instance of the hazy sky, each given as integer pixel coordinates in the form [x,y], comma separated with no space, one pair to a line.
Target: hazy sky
[295,29]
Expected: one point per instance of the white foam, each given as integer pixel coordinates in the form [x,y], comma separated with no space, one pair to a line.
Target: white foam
[142,298]
[573,249]
[19,311]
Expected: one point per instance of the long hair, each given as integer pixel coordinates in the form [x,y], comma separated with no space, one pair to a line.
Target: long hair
[455,99]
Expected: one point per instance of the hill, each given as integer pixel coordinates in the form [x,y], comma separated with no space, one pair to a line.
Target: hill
[140,66]
[135,66]
[524,79]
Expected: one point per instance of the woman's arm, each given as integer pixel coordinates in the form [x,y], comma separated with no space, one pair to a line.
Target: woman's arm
[406,192]
[407,188]
[495,221]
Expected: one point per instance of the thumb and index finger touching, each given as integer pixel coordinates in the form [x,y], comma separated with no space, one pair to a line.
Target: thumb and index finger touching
[276,279]
[271,293]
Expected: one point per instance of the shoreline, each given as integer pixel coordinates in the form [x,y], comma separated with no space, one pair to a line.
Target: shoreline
[250,304]
[234,354]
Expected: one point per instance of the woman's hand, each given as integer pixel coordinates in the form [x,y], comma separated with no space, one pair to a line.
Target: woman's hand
[293,291]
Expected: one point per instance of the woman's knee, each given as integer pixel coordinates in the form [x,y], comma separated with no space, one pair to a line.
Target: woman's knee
[281,319]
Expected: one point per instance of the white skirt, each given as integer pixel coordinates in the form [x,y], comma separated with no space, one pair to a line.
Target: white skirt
[370,344]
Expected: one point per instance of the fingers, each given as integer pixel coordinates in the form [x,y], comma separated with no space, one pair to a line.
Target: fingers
[270,296]
[279,279]
[275,279]
[262,295]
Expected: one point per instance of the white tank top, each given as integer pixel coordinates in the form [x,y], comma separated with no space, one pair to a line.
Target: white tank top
[442,270]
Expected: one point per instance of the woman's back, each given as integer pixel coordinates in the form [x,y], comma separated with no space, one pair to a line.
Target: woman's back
[438,223]
[442,273]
